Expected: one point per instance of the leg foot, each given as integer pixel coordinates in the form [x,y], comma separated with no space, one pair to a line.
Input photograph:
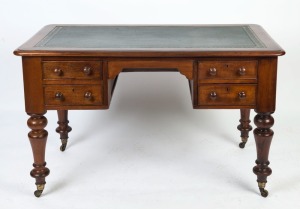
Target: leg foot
[63,129]
[40,189]
[263,191]
[243,143]
[244,126]
[63,144]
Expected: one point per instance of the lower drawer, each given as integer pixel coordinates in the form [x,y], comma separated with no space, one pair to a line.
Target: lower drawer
[227,95]
[73,95]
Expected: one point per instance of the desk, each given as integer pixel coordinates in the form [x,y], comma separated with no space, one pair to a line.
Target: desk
[75,67]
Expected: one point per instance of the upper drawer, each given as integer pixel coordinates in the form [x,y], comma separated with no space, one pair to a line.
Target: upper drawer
[227,71]
[185,67]
[72,70]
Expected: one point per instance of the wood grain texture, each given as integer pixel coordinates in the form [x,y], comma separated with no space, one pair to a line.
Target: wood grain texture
[72,70]
[235,71]
[244,127]
[266,90]
[263,135]
[70,78]
[63,128]
[33,87]
[184,67]
[38,139]
[73,95]
[227,95]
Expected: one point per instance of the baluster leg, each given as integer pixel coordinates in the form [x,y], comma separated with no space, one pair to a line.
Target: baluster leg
[244,126]
[63,129]
[38,139]
[263,137]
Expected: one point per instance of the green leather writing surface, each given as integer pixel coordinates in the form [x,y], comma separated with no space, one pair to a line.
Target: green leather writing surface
[138,37]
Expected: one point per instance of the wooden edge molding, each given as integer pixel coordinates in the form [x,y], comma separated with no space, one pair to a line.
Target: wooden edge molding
[185,67]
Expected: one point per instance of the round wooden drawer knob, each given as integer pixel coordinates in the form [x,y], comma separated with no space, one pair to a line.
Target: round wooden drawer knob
[212,71]
[242,95]
[213,95]
[242,71]
[88,95]
[87,70]
[58,72]
[59,96]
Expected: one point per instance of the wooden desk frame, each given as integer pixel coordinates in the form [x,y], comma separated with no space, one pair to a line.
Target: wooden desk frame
[227,78]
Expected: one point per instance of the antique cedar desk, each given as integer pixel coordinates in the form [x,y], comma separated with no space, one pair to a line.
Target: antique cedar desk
[75,67]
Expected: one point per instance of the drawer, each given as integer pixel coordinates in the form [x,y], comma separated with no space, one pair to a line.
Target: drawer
[73,94]
[185,67]
[230,95]
[232,71]
[72,70]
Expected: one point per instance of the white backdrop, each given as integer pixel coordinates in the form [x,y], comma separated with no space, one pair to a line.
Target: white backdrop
[21,19]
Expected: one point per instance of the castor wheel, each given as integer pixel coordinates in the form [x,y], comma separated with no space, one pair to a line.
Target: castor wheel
[63,147]
[264,192]
[63,144]
[38,193]
[40,189]
[242,145]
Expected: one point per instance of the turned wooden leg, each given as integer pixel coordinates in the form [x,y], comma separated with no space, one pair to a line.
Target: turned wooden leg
[63,129]
[38,138]
[263,136]
[244,126]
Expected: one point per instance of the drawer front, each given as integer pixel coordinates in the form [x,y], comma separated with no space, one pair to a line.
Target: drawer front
[72,70]
[185,67]
[212,71]
[227,95]
[73,94]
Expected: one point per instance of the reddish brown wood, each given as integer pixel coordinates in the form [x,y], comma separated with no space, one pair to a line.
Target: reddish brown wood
[57,72]
[242,71]
[33,86]
[71,95]
[263,137]
[184,67]
[72,70]
[226,95]
[228,71]
[84,78]
[63,128]
[244,126]
[227,83]
[266,88]
[38,138]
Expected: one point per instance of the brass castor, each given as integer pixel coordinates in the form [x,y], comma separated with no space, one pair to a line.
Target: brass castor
[63,147]
[242,145]
[263,192]
[261,186]
[63,144]
[39,191]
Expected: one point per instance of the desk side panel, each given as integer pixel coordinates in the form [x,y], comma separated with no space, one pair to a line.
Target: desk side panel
[266,91]
[109,85]
[33,85]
